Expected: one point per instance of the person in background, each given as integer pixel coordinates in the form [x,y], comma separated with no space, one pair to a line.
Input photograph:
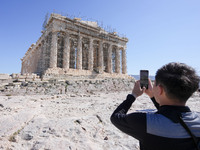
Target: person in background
[164,129]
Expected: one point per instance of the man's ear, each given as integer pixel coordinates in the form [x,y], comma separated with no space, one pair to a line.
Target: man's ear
[160,89]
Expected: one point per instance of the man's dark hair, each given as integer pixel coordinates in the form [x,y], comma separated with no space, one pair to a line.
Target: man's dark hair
[179,80]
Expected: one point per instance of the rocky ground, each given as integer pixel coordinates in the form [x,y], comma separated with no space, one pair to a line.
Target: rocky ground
[67,121]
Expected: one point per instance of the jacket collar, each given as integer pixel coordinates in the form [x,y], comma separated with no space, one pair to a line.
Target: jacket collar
[173,112]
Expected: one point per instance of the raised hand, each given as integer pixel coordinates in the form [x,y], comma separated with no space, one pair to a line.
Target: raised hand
[137,91]
[149,91]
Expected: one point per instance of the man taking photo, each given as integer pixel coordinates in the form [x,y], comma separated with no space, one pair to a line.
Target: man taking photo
[173,126]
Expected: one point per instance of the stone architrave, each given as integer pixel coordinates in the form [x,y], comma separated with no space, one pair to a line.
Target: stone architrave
[79,53]
[100,67]
[110,58]
[53,54]
[66,53]
[124,67]
[117,60]
[90,63]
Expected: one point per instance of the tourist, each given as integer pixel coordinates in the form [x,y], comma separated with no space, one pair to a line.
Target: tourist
[165,128]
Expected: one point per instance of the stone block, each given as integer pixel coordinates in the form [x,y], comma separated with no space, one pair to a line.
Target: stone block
[5,76]
[21,80]
[28,79]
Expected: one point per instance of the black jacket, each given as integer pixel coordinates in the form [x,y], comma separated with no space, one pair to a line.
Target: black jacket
[159,130]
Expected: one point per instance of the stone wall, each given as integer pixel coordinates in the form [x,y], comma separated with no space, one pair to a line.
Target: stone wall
[5,78]
[55,86]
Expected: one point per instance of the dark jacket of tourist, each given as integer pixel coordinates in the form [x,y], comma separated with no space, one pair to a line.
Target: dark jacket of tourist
[159,130]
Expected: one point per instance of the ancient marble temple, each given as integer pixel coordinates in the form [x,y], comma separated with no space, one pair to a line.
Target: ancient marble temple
[73,46]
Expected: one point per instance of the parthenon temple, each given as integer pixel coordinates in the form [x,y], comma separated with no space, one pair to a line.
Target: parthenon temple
[73,46]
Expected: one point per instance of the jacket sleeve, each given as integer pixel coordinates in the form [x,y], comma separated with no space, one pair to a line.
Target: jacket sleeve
[133,124]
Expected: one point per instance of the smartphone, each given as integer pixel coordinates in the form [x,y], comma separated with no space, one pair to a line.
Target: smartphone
[144,78]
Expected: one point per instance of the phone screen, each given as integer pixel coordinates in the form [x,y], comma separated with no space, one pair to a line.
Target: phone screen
[144,75]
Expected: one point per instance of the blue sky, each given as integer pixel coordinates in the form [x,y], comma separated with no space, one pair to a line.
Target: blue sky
[159,31]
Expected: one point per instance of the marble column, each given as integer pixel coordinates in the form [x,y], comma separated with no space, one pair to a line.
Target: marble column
[124,67]
[117,60]
[53,54]
[91,59]
[42,56]
[79,53]
[66,52]
[100,57]
[22,68]
[110,58]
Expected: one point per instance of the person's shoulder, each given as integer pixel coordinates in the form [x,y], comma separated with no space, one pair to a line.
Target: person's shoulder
[159,125]
[141,114]
[191,116]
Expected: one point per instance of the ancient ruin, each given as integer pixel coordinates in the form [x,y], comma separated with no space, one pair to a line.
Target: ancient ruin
[75,47]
